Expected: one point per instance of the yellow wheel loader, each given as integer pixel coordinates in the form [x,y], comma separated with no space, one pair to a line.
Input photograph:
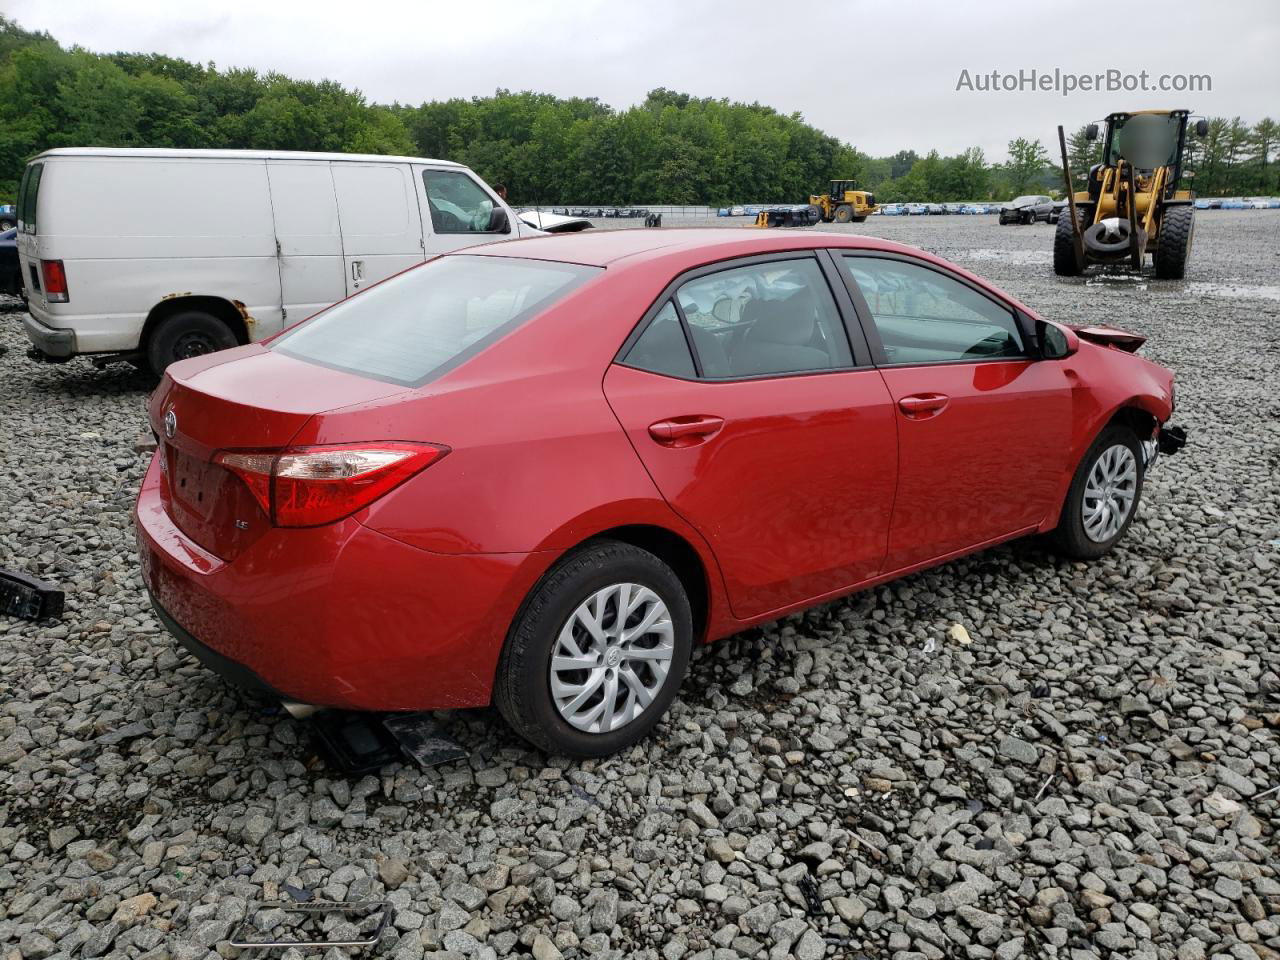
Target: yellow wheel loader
[1134,202]
[844,204]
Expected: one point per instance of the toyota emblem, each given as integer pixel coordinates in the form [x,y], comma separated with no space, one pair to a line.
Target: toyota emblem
[170,424]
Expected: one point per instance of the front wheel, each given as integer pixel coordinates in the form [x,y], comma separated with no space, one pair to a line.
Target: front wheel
[1104,496]
[597,653]
[844,213]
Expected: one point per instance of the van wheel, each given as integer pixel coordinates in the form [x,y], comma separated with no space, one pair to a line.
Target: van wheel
[597,654]
[191,333]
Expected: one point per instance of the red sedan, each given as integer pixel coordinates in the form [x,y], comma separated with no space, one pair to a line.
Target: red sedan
[536,473]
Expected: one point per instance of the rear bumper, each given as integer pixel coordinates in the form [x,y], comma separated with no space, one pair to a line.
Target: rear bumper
[338,616]
[49,341]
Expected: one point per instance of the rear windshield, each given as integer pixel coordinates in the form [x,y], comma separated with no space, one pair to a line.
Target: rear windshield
[422,324]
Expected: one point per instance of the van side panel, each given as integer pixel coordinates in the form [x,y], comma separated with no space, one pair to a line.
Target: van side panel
[135,231]
[381,226]
[306,217]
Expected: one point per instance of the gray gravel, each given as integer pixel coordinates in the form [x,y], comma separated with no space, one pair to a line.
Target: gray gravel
[1092,776]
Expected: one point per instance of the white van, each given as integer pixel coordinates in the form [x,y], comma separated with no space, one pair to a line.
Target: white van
[158,255]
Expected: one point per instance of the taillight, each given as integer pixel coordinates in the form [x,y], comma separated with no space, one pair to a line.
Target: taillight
[54,280]
[312,486]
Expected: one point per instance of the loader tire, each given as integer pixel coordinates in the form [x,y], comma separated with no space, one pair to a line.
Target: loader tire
[1174,248]
[844,213]
[1064,248]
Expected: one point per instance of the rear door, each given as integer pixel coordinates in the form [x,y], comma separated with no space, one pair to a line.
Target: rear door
[457,209]
[774,438]
[381,226]
[308,237]
[984,430]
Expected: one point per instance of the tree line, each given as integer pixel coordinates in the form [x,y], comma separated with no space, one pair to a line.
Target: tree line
[671,149]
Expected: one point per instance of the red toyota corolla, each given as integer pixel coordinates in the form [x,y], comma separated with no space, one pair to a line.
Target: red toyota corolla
[536,473]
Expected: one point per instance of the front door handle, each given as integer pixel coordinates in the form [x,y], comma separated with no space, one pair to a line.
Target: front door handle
[685,431]
[357,271]
[921,406]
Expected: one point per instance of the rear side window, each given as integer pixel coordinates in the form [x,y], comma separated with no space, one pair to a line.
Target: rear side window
[427,321]
[27,197]
[775,317]
[662,347]
[458,204]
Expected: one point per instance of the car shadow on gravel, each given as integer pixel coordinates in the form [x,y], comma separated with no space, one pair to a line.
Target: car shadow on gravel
[81,378]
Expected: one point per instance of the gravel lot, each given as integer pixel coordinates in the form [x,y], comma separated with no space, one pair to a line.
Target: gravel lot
[1094,775]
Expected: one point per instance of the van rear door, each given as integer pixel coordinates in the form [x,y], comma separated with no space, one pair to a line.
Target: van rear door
[378,213]
[308,238]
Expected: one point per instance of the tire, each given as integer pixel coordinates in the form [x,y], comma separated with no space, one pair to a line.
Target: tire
[523,690]
[191,333]
[844,213]
[1177,227]
[1084,533]
[6,225]
[1064,248]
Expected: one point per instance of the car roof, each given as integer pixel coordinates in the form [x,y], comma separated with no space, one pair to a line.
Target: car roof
[179,154]
[603,248]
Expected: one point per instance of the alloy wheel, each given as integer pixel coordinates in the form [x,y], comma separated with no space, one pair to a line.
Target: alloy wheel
[612,657]
[1109,493]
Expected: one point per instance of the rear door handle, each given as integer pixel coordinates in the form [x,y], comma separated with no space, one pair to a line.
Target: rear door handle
[685,431]
[921,406]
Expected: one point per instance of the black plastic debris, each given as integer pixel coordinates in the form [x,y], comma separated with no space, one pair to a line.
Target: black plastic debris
[362,925]
[360,743]
[28,598]
[421,738]
[297,894]
[809,888]
[356,743]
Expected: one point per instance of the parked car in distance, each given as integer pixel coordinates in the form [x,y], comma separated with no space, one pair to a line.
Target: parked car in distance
[530,473]
[934,209]
[915,210]
[1027,209]
[158,255]
[1233,203]
[10,274]
[891,209]
[8,217]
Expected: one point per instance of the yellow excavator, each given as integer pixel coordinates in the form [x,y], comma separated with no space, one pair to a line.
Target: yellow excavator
[1134,202]
[844,203]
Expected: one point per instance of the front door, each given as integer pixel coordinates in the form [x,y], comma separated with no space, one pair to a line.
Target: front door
[457,210]
[768,438]
[381,226]
[983,430]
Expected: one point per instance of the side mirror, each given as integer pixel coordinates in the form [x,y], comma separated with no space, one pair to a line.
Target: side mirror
[1202,127]
[1056,343]
[499,222]
[1091,132]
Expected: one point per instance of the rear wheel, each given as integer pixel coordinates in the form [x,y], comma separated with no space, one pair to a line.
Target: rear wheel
[597,654]
[844,213]
[1104,496]
[191,333]
[1064,248]
[1174,248]
[6,225]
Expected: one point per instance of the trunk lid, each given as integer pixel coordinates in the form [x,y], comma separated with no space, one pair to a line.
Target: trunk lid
[245,398]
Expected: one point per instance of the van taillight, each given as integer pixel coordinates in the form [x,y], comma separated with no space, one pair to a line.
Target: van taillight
[54,278]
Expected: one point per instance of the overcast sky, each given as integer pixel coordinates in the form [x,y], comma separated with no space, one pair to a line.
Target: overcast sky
[881,75]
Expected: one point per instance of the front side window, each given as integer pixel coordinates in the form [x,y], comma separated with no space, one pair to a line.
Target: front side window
[774,317]
[458,204]
[428,320]
[924,316]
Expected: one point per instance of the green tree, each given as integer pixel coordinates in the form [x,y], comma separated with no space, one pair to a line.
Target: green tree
[1026,164]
